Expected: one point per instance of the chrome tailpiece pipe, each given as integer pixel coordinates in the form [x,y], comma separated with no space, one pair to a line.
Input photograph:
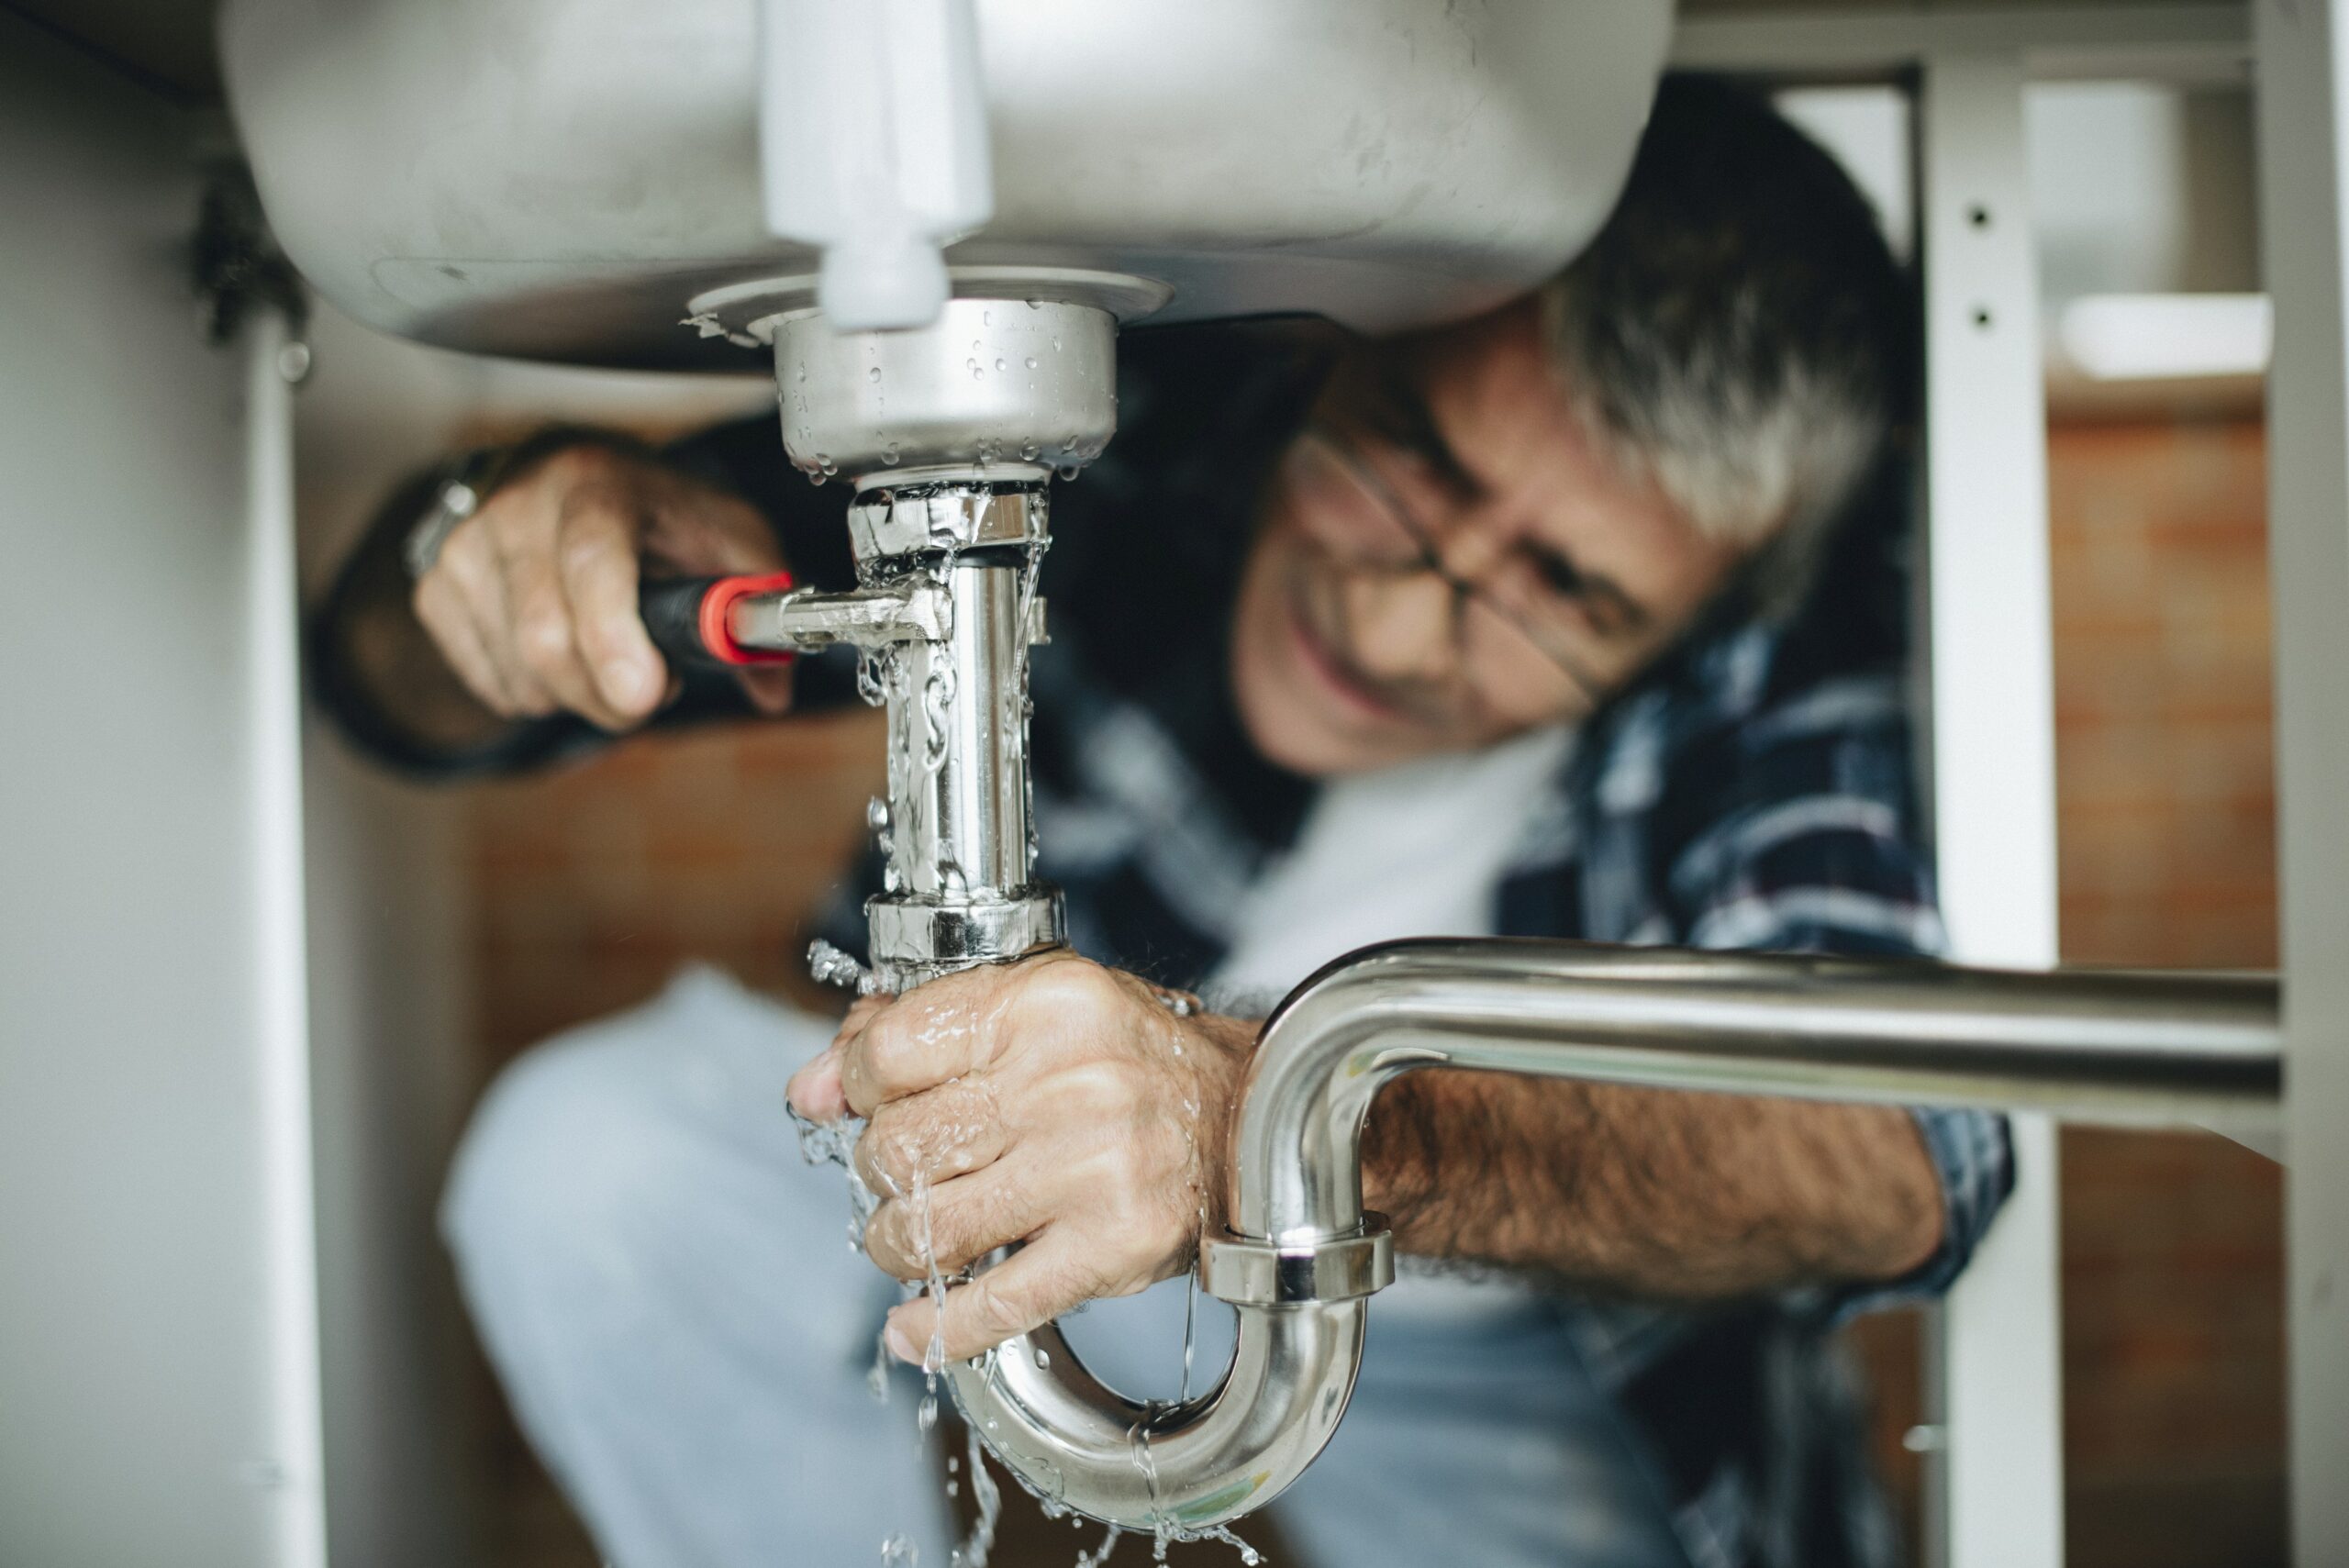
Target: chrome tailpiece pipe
[950,433]
[958,877]
[1302,1257]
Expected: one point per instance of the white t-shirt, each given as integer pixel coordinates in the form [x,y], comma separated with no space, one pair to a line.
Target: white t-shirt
[1414,851]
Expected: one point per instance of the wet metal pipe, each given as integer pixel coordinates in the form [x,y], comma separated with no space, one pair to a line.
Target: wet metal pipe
[1302,1258]
[2130,1048]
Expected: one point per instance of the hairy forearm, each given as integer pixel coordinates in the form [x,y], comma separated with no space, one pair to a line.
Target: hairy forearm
[1649,1192]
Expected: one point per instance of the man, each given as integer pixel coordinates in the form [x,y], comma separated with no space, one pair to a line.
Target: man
[1579,619]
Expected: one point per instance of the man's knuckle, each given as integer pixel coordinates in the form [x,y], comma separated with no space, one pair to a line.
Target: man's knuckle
[585,549]
[886,1046]
[579,464]
[1127,1210]
[1067,985]
[1101,1090]
[888,1165]
[954,1238]
[544,639]
[1002,1306]
[885,1243]
[977,1224]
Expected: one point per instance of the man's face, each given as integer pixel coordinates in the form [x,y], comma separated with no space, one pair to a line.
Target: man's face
[1445,560]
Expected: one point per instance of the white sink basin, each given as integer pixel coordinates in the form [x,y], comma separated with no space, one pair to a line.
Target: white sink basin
[559,178]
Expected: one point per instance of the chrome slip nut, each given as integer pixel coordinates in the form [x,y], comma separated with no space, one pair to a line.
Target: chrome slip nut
[1249,1271]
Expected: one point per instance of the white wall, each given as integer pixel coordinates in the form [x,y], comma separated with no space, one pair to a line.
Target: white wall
[135,1370]
[388,1011]
[390,1002]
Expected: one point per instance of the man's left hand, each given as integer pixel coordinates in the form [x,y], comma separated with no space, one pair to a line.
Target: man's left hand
[1051,1102]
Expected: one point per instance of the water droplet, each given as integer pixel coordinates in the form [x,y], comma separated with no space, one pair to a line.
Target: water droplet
[1000,367]
[1056,345]
[1029,451]
[1032,361]
[1043,1357]
[873,374]
[889,454]
[986,317]
[816,476]
[1035,304]
[1069,470]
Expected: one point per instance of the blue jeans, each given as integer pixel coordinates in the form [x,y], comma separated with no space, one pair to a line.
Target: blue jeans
[668,1290]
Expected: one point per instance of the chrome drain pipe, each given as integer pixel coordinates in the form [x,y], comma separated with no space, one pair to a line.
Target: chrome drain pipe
[1302,1257]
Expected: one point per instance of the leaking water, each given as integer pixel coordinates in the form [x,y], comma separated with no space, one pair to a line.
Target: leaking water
[980,1544]
[1190,1320]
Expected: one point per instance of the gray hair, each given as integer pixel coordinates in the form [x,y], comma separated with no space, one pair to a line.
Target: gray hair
[1739,334]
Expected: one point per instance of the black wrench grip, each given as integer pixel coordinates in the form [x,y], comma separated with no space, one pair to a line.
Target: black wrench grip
[690,620]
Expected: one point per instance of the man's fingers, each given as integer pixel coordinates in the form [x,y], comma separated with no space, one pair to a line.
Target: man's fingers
[861,1012]
[546,643]
[961,1222]
[815,1090]
[595,558]
[1031,1287]
[919,1041]
[470,567]
[443,613]
[476,559]
[948,1132]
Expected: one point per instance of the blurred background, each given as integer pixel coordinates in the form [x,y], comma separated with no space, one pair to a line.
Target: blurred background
[449,928]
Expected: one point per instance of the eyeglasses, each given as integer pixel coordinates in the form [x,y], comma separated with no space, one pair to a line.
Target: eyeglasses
[1535,596]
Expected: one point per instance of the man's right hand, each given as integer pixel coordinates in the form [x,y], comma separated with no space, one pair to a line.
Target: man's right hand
[533,598]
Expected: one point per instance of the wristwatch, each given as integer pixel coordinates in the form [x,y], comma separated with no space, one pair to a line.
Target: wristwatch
[465,484]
